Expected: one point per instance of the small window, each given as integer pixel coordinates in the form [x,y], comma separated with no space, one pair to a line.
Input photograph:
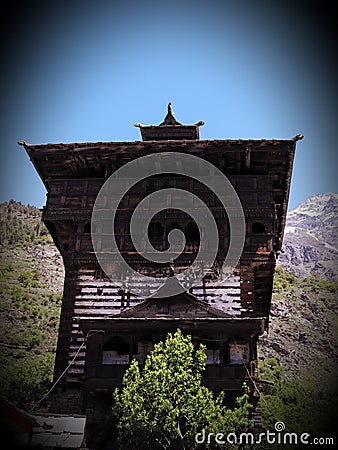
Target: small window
[192,232]
[163,306]
[276,184]
[239,351]
[115,351]
[87,228]
[212,350]
[155,232]
[258,228]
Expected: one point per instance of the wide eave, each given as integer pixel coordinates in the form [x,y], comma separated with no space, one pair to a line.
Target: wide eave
[77,159]
[104,324]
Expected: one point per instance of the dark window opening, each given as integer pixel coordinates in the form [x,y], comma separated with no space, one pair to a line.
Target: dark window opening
[117,343]
[192,232]
[239,350]
[87,228]
[212,350]
[258,227]
[155,233]
[163,306]
[277,184]
[98,274]
[115,351]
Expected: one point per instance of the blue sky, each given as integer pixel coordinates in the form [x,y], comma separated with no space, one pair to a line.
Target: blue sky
[88,70]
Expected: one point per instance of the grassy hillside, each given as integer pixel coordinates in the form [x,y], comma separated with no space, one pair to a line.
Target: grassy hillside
[21,224]
[300,355]
[31,280]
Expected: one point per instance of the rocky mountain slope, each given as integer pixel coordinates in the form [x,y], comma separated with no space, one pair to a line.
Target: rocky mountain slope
[303,326]
[299,354]
[24,238]
[311,239]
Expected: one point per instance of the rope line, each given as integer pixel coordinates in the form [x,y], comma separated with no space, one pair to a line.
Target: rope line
[254,383]
[66,369]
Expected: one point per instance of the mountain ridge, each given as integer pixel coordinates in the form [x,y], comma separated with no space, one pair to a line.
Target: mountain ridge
[310,244]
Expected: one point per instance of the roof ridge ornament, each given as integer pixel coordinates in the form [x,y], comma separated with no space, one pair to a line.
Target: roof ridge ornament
[169,129]
[170,118]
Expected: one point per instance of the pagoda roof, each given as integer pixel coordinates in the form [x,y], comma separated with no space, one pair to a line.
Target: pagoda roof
[169,129]
[189,305]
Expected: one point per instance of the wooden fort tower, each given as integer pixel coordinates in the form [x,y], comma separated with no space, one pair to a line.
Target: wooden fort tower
[104,326]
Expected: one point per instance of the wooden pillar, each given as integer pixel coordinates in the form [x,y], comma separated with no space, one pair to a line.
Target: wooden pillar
[66,319]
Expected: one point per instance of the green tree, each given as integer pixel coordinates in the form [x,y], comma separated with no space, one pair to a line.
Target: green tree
[300,404]
[26,382]
[165,404]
